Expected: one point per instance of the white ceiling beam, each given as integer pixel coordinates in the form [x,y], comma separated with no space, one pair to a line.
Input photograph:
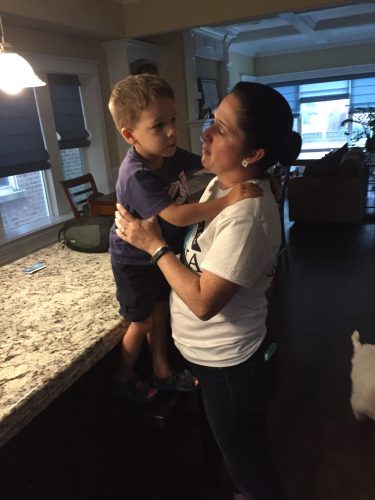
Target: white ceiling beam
[302,25]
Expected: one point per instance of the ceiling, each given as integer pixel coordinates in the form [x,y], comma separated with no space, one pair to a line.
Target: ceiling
[291,32]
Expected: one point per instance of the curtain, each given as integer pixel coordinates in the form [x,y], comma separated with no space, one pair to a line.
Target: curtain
[360,88]
[323,91]
[22,148]
[68,112]
[363,93]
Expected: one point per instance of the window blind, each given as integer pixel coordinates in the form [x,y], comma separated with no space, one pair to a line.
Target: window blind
[360,88]
[68,112]
[363,93]
[323,91]
[22,148]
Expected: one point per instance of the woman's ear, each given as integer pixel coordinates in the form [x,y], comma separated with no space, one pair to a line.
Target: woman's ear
[255,156]
[128,135]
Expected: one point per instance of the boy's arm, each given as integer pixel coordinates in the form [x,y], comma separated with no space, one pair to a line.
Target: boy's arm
[191,213]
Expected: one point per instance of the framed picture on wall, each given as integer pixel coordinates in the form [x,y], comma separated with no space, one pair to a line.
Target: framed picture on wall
[210,95]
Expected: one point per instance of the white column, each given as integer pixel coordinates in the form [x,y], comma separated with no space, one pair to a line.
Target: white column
[118,68]
[191,75]
[58,203]
[2,232]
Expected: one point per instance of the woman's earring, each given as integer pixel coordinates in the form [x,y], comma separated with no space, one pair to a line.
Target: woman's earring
[244,163]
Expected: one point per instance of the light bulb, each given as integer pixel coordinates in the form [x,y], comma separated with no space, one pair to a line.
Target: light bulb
[16,73]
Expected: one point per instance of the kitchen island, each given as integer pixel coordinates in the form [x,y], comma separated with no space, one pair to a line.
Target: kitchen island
[55,324]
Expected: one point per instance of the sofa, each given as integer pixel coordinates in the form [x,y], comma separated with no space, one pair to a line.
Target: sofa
[331,190]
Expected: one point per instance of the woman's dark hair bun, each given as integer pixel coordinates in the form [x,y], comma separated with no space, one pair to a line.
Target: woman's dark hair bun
[291,148]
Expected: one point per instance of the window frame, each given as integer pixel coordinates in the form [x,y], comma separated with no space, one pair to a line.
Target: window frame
[6,187]
[96,158]
[302,78]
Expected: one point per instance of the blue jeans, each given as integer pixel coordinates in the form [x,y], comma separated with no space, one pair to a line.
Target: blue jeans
[234,400]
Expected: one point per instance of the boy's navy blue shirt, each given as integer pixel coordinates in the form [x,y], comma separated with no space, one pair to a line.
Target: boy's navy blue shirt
[146,192]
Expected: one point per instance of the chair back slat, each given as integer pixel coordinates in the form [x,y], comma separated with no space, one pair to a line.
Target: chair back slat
[77,202]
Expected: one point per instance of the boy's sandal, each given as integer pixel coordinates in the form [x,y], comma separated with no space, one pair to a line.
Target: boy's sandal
[177,381]
[134,391]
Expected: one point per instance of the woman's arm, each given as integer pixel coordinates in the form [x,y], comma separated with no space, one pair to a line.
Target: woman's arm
[191,213]
[204,294]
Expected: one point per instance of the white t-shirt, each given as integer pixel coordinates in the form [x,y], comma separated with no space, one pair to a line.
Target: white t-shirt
[239,245]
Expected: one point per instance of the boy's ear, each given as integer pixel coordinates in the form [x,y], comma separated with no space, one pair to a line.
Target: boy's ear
[128,135]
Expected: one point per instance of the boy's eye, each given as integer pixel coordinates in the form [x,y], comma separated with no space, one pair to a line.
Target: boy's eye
[159,126]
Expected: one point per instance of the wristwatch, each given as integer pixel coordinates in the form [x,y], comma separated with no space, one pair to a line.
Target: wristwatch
[159,252]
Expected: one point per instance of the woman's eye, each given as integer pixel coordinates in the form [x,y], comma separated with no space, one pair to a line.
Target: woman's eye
[220,130]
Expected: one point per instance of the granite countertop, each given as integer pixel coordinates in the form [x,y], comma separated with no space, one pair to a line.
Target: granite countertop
[54,325]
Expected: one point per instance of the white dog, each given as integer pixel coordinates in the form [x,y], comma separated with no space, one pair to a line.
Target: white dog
[363,379]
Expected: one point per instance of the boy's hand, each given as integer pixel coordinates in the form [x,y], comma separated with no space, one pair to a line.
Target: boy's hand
[242,191]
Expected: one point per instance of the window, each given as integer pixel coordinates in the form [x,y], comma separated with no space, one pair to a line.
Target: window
[70,123]
[72,163]
[319,107]
[67,111]
[7,185]
[22,158]
[22,148]
[32,200]
[4,183]
[26,203]
[320,126]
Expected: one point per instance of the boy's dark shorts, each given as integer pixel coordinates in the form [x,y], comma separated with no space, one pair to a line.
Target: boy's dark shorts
[138,288]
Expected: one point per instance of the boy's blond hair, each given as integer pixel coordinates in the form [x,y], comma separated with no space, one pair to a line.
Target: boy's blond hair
[133,94]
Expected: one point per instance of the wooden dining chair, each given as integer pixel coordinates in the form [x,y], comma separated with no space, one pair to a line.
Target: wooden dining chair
[279,182]
[78,192]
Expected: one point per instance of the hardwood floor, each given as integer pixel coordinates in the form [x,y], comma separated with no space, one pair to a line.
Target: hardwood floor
[322,452]
[86,447]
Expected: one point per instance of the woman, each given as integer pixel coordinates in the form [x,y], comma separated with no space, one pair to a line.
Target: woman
[218,303]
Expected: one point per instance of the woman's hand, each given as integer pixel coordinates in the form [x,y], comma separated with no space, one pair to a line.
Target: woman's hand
[242,191]
[143,234]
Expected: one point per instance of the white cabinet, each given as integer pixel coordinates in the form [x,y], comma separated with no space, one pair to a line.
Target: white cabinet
[208,45]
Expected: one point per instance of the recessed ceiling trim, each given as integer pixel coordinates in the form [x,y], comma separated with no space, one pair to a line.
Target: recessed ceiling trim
[343,22]
[302,24]
[125,1]
[292,32]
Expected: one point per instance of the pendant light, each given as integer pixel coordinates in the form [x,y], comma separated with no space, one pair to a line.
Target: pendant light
[15,72]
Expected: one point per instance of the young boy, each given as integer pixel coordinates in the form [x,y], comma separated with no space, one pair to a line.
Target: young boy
[152,181]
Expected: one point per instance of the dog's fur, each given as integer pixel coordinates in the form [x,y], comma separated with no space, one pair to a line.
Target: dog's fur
[363,379]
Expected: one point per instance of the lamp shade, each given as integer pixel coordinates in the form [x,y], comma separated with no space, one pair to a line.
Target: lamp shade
[16,73]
